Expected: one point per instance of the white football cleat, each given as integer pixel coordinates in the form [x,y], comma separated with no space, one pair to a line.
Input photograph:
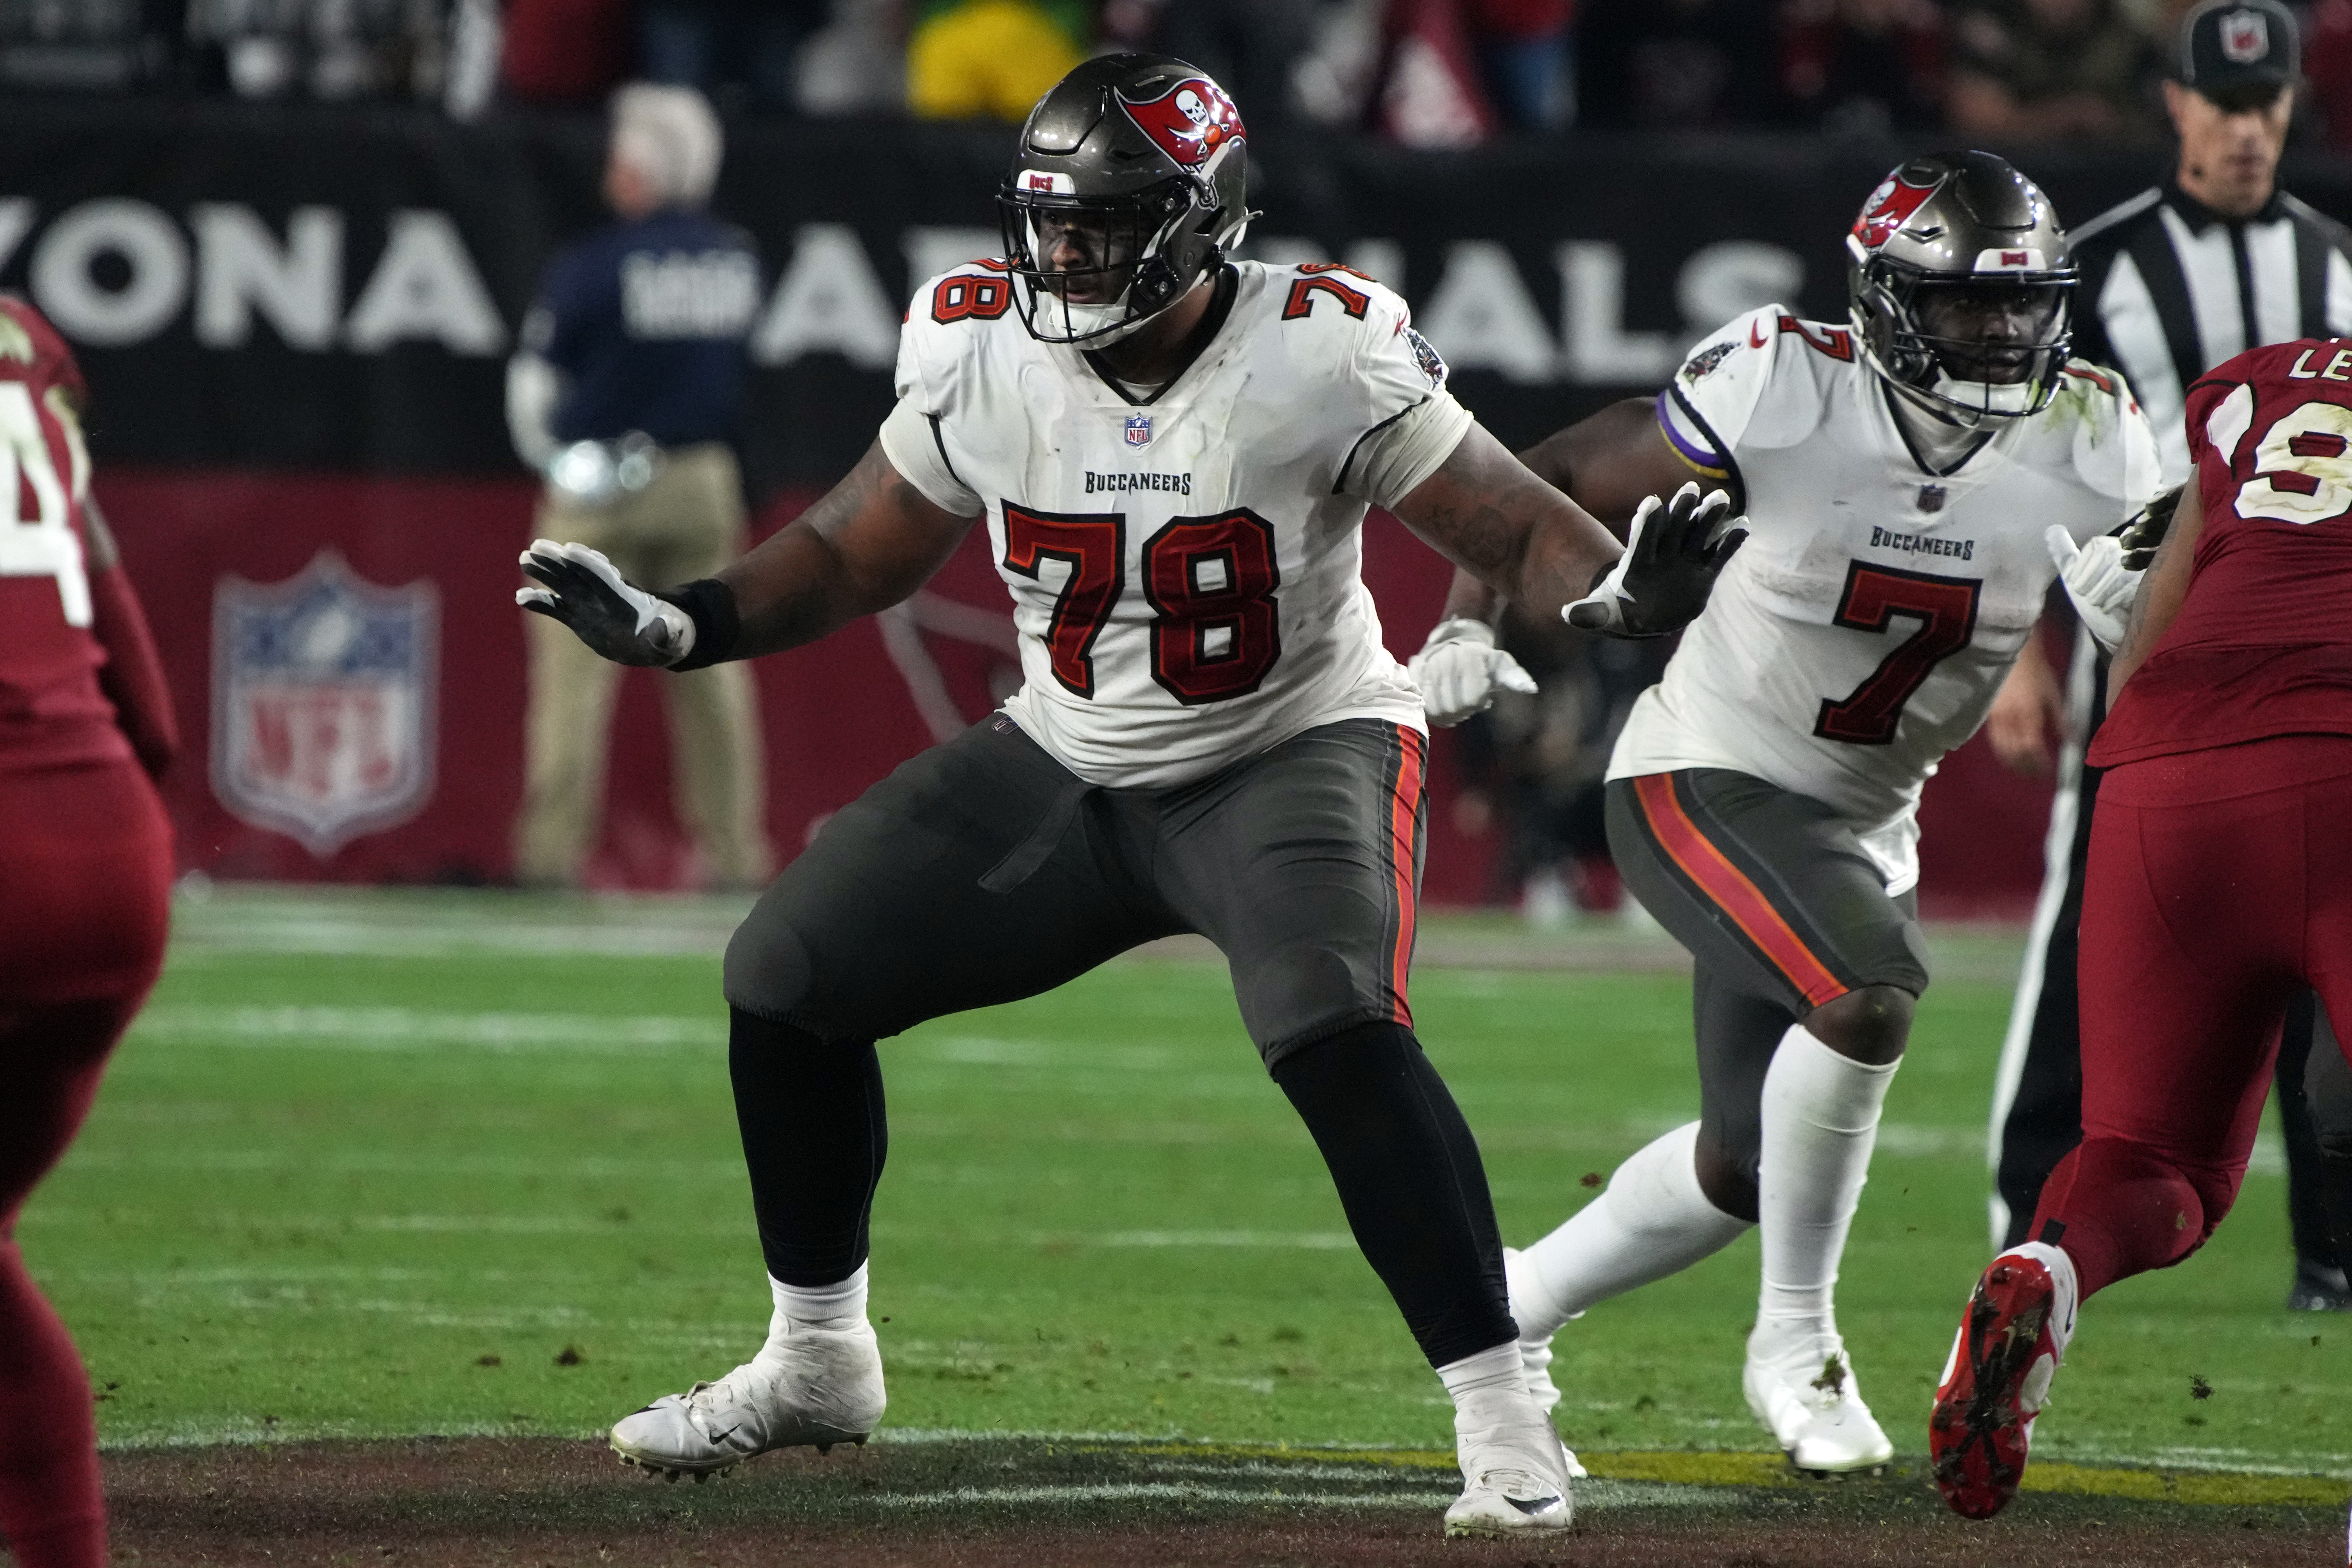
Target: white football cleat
[1513,1467]
[827,1390]
[1806,1395]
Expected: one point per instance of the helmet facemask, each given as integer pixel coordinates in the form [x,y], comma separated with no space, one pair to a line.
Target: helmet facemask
[1968,347]
[1089,270]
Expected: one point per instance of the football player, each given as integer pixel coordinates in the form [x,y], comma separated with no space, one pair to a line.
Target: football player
[1172,453]
[86,857]
[1901,469]
[2219,883]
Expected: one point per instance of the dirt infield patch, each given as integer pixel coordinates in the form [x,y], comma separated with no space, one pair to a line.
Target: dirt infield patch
[1040,1504]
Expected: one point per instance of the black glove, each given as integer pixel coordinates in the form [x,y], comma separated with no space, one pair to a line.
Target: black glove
[1672,556]
[620,621]
[2143,533]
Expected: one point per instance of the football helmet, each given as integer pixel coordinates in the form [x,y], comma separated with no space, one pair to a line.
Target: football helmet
[1960,286]
[1129,184]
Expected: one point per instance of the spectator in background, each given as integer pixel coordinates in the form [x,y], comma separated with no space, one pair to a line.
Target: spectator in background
[1673,63]
[627,387]
[563,51]
[857,64]
[1247,46]
[991,60]
[707,44]
[2327,67]
[1524,46]
[2046,69]
[1863,67]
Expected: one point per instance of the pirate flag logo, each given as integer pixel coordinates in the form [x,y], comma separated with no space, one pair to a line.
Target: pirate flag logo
[1188,123]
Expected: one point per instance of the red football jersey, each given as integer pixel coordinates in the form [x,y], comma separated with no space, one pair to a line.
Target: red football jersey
[52,713]
[2262,645]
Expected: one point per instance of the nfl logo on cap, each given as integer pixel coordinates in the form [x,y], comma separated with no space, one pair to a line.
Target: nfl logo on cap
[2245,35]
[1138,430]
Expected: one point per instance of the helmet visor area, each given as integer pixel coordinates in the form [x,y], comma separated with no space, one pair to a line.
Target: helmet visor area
[1074,260]
[2001,334]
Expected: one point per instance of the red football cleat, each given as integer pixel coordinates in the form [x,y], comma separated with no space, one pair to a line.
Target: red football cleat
[2010,1341]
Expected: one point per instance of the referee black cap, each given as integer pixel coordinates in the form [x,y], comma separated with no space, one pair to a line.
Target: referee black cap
[2239,50]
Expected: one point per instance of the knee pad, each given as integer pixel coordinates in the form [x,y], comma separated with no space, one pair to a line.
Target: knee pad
[1302,995]
[2215,1191]
[767,972]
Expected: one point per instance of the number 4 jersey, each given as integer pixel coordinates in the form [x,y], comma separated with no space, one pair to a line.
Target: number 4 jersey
[2262,645]
[1184,563]
[53,711]
[1864,628]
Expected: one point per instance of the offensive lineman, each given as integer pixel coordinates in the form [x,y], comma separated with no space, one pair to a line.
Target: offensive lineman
[1173,454]
[2219,884]
[86,857]
[1901,472]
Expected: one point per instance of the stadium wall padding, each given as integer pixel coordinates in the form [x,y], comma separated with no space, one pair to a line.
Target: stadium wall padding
[295,320]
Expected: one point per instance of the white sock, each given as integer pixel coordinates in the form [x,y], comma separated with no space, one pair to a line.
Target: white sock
[835,1307]
[1479,1382]
[1652,1222]
[1820,1121]
[1495,1368]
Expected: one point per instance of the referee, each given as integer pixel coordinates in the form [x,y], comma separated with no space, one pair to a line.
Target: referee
[2177,279]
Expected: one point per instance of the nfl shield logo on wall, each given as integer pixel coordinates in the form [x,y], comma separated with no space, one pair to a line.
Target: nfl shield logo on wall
[1138,430]
[324,702]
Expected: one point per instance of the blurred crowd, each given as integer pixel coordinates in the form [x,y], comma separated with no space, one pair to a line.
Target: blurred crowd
[1426,73]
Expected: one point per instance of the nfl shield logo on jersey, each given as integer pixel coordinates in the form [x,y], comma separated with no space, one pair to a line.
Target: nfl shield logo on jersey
[1138,430]
[323,691]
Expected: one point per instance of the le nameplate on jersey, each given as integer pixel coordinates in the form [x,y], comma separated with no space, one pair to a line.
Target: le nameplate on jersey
[1186,569]
[1881,597]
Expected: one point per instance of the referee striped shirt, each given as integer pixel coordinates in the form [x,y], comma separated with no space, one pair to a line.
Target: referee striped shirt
[2174,289]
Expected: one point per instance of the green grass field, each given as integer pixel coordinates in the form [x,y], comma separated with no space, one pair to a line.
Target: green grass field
[407,1164]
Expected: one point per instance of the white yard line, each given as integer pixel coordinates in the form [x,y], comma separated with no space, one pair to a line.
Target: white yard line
[212,920]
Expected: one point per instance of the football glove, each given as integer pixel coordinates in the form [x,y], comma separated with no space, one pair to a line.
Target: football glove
[1673,553]
[2144,532]
[2098,581]
[622,622]
[1459,669]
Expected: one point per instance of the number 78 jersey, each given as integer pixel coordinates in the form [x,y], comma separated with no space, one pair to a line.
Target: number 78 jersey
[1184,565]
[1865,628]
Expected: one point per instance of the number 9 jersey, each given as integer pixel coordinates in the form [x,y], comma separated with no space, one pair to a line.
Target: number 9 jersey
[1884,593]
[2262,645]
[1184,561]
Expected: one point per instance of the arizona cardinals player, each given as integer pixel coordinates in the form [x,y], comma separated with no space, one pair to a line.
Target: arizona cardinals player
[1901,469]
[1172,453]
[86,857]
[2218,881]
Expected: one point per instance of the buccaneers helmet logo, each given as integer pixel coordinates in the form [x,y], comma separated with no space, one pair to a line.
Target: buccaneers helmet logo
[1889,208]
[1189,122]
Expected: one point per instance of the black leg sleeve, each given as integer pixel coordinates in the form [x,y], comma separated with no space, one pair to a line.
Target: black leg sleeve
[2306,1203]
[1410,1178]
[2327,1084]
[814,1138]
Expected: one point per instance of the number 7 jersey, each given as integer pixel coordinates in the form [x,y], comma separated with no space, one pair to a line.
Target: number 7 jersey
[1184,565]
[1865,628]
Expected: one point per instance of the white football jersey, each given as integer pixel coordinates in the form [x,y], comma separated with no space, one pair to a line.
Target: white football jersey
[1184,566]
[1866,626]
